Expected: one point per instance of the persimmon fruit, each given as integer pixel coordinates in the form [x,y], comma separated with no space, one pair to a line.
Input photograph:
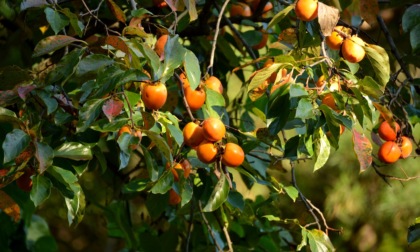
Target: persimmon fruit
[389,152]
[352,49]
[321,81]
[154,95]
[213,129]
[240,9]
[214,83]
[306,10]
[329,101]
[388,133]
[185,82]
[193,134]
[195,98]
[263,41]
[335,40]
[233,155]
[406,147]
[207,152]
[174,198]
[160,45]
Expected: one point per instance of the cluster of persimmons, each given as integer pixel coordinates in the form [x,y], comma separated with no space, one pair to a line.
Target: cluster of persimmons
[395,146]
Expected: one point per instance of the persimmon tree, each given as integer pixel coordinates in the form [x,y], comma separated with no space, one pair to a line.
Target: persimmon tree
[151,113]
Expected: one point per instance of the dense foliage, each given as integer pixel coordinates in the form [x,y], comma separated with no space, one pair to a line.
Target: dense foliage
[101,101]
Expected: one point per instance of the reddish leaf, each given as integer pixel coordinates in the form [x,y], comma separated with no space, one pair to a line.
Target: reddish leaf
[23,91]
[363,150]
[368,10]
[116,11]
[9,206]
[112,108]
[117,43]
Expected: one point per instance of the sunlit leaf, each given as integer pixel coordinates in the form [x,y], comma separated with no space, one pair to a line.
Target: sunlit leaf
[136,185]
[9,206]
[319,241]
[328,17]
[52,43]
[14,143]
[192,69]
[218,196]
[298,90]
[262,75]
[174,54]
[280,16]
[164,183]
[161,144]
[305,109]
[76,205]
[292,192]
[322,150]
[363,149]
[377,63]
[74,151]
[116,11]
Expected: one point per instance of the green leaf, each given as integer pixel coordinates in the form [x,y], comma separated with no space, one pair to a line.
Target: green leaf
[88,113]
[44,154]
[76,205]
[414,232]
[280,16]
[38,235]
[136,185]
[92,63]
[413,113]
[236,200]
[140,12]
[41,189]
[74,151]
[63,180]
[298,90]
[322,149]
[370,87]
[164,183]
[363,149]
[192,69]
[379,64]
[151,57]
[77,25]
[176,133]
[305,109]
[161,144]
[186,193]
[303,243]
[319,241]
[14,143]
[415,39]
[192,11]
[262,75]
[50,102]
[292,192]
[271,218]
[9,117]
[65,68]
[411,17]
[118,224]
[57,20]
[215,104]
[152,168]
[219,195]
[52,44]
[291,148]
[174,55]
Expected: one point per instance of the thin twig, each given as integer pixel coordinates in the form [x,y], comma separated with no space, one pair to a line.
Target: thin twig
[303,198]
[133,4]
[213,48]
[107,30]
[209,227]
